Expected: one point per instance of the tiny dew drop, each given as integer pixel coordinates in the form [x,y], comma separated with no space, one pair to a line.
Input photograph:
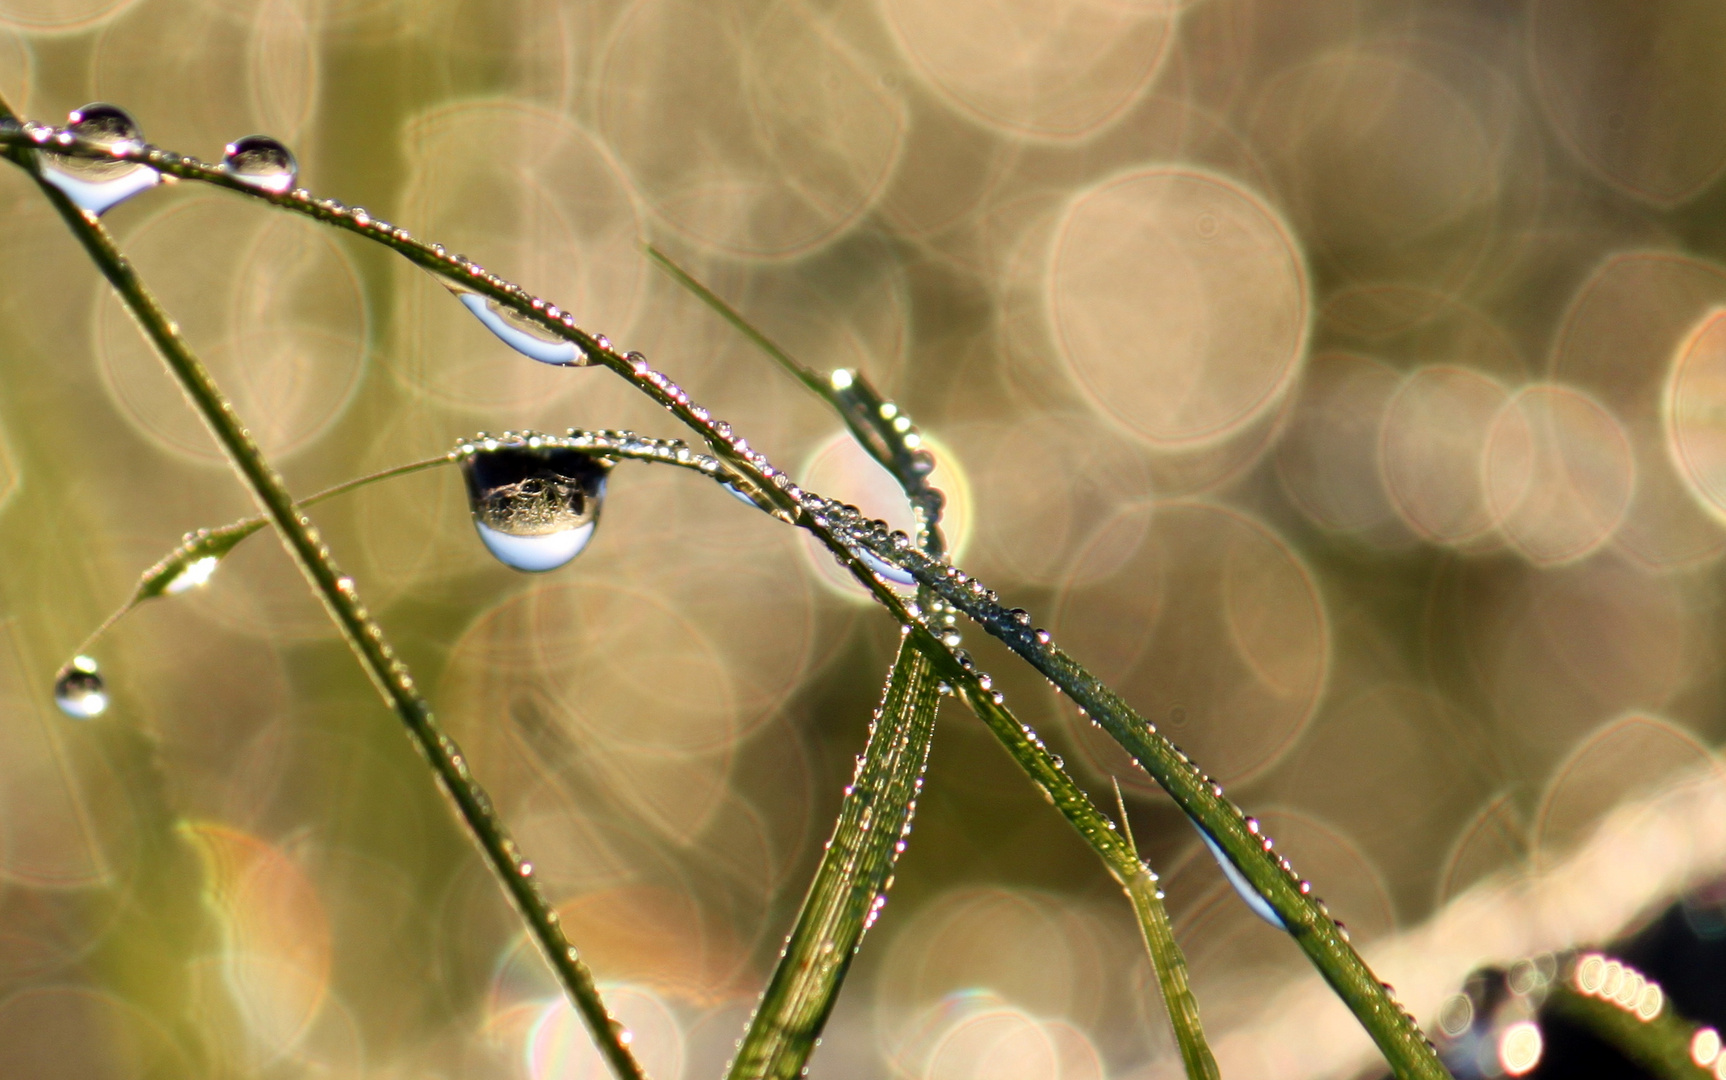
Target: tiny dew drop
[261,162]
[535,507]
[98,184]
[79,690]
[519,332]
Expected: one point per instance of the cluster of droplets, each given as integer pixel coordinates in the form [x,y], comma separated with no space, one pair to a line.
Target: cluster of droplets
[1489,1028]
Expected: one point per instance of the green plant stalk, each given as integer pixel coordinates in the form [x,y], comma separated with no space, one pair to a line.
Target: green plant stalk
[871,427]
[1397,1035]
[1660,1045]
[851,883]
[364,635]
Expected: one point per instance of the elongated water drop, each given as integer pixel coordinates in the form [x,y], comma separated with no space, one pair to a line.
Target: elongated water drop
[79,690]
[520,332]
[535,507]
[261,162]
[97,184]
[1259,905]
[889,572]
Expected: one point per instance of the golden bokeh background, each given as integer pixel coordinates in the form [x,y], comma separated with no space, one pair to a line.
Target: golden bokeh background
[1344,382]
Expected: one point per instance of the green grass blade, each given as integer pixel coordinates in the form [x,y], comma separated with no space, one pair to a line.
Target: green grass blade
[851,883]
[1114,847]
[1169,963]
[342,600]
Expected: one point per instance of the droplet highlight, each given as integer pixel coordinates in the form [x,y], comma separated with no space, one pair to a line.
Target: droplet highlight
[79,690]
[99,184]
[262,162]
[534,507]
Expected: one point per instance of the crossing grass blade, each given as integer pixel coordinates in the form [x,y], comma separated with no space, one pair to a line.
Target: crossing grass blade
[851,883]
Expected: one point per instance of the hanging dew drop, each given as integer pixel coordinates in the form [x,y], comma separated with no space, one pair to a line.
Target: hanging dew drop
[885,569]
[535,508]
[261,162]
[1259,905]
[98,184]
[519,332]
[79,690]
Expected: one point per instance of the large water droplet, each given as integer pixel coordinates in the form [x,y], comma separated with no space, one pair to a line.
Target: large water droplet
[535,507]
[79,690]
[1259,905]
[96,184]
[885,569]
[521,333]
[261,162]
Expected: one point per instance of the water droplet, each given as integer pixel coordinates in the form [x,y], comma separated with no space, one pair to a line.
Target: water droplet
[535,508]
[261,162]
[79,690]
[1043,637]
[885,569]
[97,184]
[1259,905]
[519,332]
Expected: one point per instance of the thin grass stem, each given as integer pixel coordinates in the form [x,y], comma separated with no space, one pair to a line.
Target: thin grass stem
[364,635]
[1631,1014]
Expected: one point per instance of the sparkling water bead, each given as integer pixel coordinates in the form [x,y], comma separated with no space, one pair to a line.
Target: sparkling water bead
[535,507]
[79,690]
[1243,888]
[261,162]
[520,332]
[98,184]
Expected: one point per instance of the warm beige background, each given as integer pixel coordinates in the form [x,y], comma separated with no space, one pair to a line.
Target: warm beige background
[1345,381]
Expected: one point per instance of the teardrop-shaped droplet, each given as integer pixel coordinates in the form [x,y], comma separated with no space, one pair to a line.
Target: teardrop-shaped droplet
[192,575]
[535,507]
[261,162]
[885,569]
[1259,905]
[521,333]
[79,690]
[97,184]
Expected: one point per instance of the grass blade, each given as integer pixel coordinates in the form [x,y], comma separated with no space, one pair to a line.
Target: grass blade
[1631,1014]
[1169,963]
[851,883]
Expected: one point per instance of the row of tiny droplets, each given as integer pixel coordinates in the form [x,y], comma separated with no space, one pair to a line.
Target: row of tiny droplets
[961,591]
[599,443]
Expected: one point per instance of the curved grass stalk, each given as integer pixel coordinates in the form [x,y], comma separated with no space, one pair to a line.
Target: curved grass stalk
[850,885]
[847,535]
[364,635]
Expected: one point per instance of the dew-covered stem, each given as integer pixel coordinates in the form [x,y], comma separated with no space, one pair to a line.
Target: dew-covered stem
[1641,1025]
[855,544]
[850,885]
[340,597]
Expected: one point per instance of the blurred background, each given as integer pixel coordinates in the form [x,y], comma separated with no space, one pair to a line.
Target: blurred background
[1344,382]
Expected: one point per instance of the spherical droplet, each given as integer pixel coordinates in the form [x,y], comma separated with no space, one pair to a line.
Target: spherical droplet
[535,508]
[97,184]
[262,162]
[79,690]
